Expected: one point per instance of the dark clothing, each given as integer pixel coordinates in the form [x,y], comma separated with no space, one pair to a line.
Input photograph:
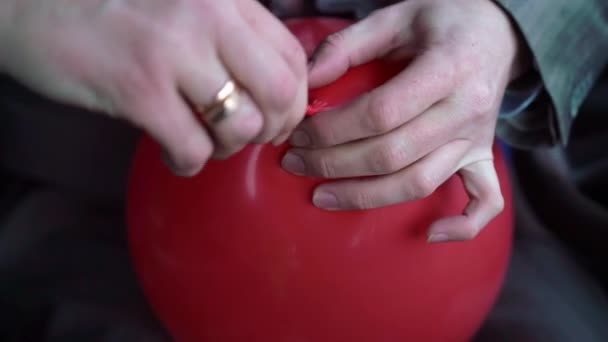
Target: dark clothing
[65,273]
[569,42]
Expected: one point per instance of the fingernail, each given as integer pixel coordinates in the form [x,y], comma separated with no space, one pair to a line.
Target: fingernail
[325,200]
[300,139]
[294,164]
[439,237]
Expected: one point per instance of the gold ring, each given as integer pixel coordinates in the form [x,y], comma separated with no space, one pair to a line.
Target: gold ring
[225,102]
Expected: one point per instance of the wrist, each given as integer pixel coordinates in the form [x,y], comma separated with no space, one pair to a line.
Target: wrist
[522,59]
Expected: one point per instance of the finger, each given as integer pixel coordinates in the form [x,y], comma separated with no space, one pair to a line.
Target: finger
[380,155]
[239,127]
[295,116]
[359,43]
[169,120]
[413,183]
[427,80]
[200,81]
[276,34]
[482,184]
[260,69]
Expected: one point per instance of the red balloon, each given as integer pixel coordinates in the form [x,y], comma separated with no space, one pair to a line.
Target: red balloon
[239,253]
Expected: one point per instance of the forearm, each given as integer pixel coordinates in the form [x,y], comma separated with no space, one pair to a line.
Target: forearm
[569,44]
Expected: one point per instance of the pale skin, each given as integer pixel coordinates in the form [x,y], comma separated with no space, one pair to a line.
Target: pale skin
[153,62]
[435,119]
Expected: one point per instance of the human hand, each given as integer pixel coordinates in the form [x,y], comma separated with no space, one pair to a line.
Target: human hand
[434,119]
[157,63]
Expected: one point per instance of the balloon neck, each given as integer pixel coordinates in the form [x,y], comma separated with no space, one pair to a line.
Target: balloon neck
[357,81]
[316,106]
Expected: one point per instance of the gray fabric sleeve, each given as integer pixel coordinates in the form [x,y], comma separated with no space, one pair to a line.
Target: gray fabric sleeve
[569,43]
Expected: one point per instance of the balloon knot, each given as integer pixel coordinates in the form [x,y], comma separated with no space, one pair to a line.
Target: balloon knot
[315,107]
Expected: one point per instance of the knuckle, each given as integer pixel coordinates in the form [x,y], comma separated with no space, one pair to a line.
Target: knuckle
[382,15]
[497,204]
[363,201]
[423,185]
[467,65]
[284,88]
[142,79]
[134,89]
[383,115]
[320,134]
[482,100]
[447,70]
[325,167]
[389,157]
[134,82]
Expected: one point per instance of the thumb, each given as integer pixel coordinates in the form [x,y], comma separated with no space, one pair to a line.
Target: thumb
[482,183]
[368,39]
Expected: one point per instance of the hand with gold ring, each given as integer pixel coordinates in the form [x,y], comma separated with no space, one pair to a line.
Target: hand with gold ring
[226,102]
[203,77]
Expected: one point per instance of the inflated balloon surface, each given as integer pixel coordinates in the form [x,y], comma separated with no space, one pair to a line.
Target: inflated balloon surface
[239,253]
